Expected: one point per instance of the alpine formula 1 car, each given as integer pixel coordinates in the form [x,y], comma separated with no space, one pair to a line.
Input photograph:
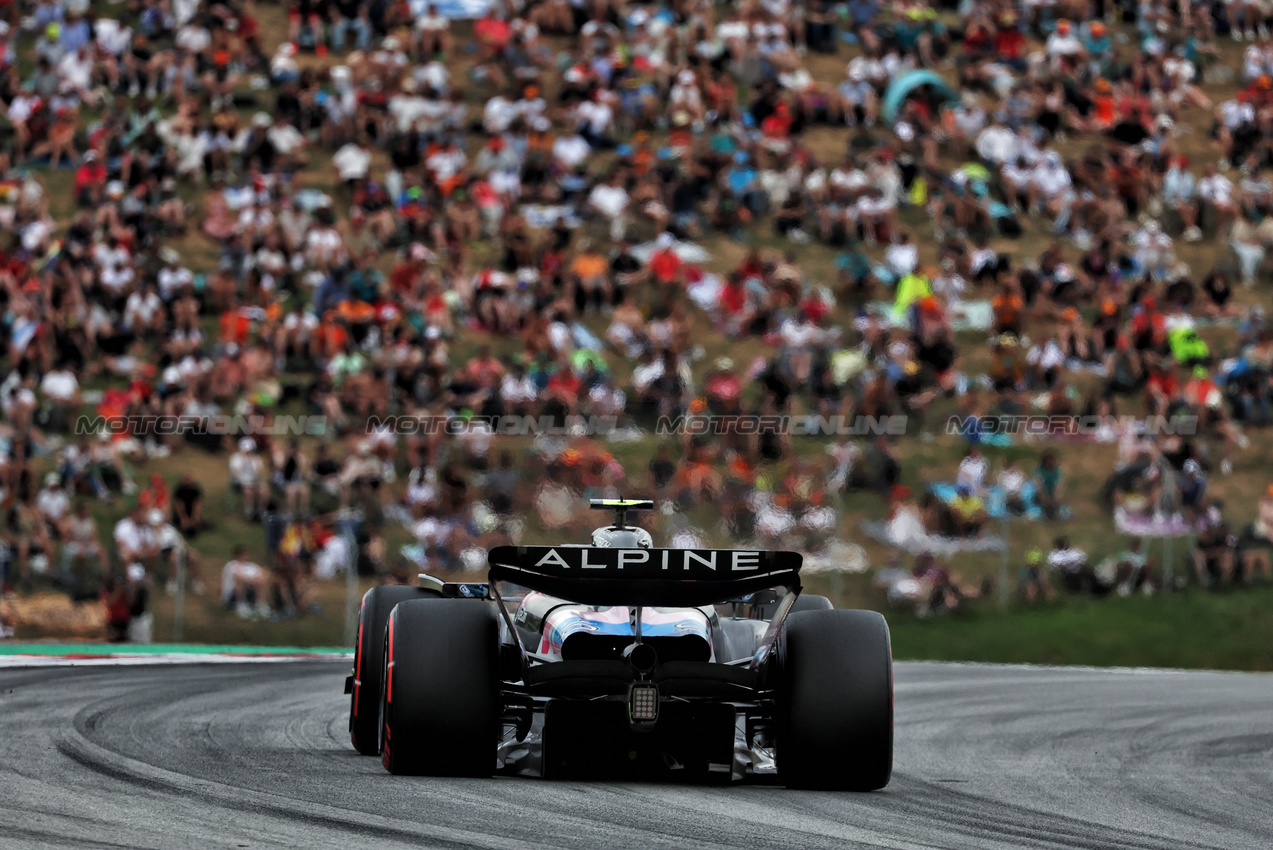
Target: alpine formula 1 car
[621,659]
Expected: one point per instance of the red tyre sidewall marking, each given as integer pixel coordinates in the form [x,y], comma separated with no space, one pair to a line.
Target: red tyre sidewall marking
[388,688]
[358,663]
[389,674]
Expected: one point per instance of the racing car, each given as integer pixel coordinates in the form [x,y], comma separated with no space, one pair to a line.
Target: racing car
[622,659]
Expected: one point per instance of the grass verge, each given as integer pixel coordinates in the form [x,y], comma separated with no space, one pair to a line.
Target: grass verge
[1190,630]
[1195,629]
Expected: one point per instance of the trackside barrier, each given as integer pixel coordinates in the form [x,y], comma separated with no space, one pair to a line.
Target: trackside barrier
[347,523]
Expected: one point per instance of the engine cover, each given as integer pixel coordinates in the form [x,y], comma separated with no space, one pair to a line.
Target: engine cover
[574,632]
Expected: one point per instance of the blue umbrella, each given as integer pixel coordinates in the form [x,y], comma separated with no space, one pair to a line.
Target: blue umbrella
[907,83]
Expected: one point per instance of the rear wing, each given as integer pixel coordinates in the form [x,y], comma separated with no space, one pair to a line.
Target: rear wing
[644,577]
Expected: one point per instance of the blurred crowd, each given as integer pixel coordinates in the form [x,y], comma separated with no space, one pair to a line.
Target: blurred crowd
[336,214]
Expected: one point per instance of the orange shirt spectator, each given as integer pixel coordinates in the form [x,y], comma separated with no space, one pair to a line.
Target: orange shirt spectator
[235,327]
[158,493]
[331,335]
[1007,307]
[588,265]
[359,312]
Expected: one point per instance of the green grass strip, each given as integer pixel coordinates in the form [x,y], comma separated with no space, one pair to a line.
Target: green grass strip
[106,649]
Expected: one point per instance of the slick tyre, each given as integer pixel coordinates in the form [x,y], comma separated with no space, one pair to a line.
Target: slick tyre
[804,602]
[835,701]
[441,703]
[369,652]
[809,602]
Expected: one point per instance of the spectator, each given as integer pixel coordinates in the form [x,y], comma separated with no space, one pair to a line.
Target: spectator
[135,541]
[187,507]
[1049,484]
[973,470]
[945,593]
[54,506]
[244,585]
[140,620]
[506,222]
[1134,570]
[1072,567]
[1032,582]
[294,476]
[115,596]
[1013,480]
[1214,555]
[968,511]
[82,543]
[247,478]
[1260,532]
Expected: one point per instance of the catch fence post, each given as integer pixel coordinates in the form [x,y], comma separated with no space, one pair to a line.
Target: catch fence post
[348,518]
[1003,565]
[179,601]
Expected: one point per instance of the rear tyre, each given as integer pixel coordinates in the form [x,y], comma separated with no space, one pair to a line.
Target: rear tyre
[369,652]
[804,602]
[441,704]
[809,602]
[835,701]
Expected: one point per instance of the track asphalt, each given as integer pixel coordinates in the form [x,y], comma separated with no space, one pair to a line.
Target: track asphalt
[251,755]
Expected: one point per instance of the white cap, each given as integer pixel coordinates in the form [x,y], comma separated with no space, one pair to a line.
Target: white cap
[136,572]
[247,444]
[155,517]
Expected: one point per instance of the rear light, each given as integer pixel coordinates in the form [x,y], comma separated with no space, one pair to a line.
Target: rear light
[643,704]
